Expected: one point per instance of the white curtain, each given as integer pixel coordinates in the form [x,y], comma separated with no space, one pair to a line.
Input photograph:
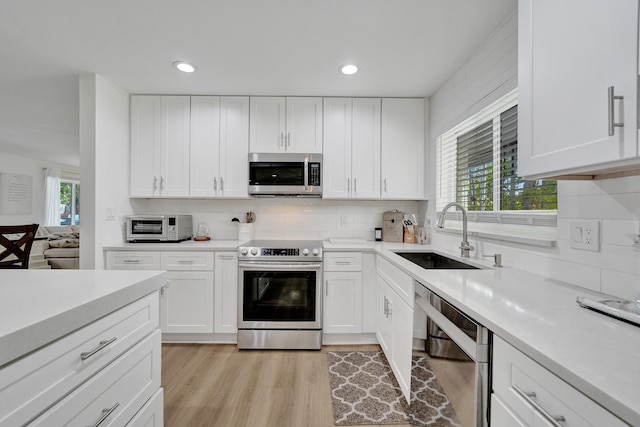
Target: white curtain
[51,196]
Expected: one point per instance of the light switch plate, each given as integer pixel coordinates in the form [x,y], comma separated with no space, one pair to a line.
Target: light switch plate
[110,214]
[585,235]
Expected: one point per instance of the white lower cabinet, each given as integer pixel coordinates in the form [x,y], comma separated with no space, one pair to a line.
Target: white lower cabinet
[395,325]
[226,292]
[187,302]
[342,302]
[107,369]
[527,394]
[151,414]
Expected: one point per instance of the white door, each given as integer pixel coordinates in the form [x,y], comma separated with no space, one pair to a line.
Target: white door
[145,145]
[234,146]
[342,302]
[365,148]
[205,144]
[174,166]
[336,155]
[226,292]
[267,124]
[402,151]
[304,125]
[570,52]
[186,305]
[402,331]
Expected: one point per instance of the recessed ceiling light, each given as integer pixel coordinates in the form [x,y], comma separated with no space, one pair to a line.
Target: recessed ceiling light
[348,69]
[185,67]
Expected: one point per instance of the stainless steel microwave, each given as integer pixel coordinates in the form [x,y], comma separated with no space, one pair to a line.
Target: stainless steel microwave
[159,228]
[285,174]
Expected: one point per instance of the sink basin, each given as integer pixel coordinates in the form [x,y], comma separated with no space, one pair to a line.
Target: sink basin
[431,260]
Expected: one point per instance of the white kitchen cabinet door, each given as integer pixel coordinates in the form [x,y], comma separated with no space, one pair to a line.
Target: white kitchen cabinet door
[219,146]
[369,293]
[304,125]
[146,117]
[174,150]
[365,148]
[336,155]
[402,160]
[226,292]
[285,125]
[267,124]
[186,304]
[351,152]
[205,146]
[160,146]
[234,146]
[565,67]
[384,331]
[342,302]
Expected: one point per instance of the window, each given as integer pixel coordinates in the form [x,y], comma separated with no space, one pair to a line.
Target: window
[69,202]
[477,166]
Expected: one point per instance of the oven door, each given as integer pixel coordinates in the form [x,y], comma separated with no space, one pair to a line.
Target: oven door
[147,228]
[279,295]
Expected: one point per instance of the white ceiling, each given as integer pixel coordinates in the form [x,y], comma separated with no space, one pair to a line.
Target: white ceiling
[241,47]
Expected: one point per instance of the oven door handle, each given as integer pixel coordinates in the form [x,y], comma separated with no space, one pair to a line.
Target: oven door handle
[274,266]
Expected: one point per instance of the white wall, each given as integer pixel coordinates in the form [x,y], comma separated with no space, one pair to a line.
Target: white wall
[34,167]
[283,218]
[489,74]
[104,165]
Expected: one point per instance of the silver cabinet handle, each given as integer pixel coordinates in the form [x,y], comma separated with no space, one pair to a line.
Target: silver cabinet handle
[288,139]
[343,262]
[185,261]
[161,183]
[529,396]
[221,184]
[105,414]
[612,120]
[155,183]
[282,139]
[348,185]
[385,184]
[215,184]
[326,287]
[227,257]
[87,354]
[131,261]
[355,185]
[386,307]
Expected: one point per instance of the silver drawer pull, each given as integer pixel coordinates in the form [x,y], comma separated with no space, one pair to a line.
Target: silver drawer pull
[87,354]
[185,261]
[555,420]
[227,257]
[131,261]
[343,262]
[105,414]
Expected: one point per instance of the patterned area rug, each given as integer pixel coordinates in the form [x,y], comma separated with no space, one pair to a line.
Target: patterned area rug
[365,391]
[430,406]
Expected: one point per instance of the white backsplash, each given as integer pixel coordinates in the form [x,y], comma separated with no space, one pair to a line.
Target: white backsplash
[284,218]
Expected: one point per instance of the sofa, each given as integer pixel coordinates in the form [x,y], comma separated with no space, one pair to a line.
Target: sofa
[60,245]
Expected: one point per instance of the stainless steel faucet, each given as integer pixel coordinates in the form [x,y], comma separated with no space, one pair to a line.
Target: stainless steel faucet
[465,247]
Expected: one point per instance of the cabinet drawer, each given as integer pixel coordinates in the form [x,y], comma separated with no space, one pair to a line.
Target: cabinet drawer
[33,383]
[399,281]
[152,413]
[522,384]
[133,260]
[187,261]
[342,261]
[116,393]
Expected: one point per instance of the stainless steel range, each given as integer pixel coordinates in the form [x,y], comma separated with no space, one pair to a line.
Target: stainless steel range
[280,294]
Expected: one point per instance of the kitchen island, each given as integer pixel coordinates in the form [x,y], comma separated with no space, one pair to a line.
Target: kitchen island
[72,339]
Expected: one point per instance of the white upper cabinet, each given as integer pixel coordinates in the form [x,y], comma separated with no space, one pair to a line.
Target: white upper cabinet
[160,146]
[351,152]
[570,52]
[219,146]
[286,124]
[403,152]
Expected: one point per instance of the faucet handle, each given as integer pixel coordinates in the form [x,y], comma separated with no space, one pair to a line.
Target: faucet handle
[497,259]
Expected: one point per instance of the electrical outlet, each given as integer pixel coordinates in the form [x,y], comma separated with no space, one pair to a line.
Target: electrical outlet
[585,235]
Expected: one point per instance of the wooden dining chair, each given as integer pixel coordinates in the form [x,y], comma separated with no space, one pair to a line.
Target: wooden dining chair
[15,244]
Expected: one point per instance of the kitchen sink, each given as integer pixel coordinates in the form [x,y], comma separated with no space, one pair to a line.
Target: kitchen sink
[431,260]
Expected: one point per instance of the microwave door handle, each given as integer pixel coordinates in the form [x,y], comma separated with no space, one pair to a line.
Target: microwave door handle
[306,173]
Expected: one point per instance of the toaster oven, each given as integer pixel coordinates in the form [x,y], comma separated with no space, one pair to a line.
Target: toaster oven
[159,228]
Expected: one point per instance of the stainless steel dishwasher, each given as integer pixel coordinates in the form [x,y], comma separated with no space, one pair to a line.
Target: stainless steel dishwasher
[459,358]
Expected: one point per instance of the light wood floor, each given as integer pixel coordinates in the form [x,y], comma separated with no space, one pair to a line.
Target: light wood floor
[218,385]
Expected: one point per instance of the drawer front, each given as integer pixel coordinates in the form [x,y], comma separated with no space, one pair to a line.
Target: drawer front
[342,261]
[187,261]
[133,260]
[116,393]
[151,414]
[399,281]
[530,391]
[33,383]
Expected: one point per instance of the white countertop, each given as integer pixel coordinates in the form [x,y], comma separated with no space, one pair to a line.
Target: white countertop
[187,245]
[596,354]
[40,306]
